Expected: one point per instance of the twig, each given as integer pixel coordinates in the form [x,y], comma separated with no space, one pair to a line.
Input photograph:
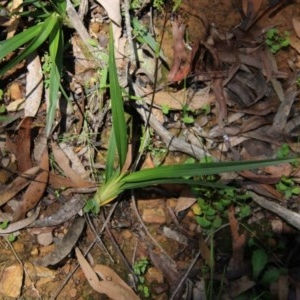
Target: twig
[172,142]
[81,30]
[133,56]
[133,202]
[184,277]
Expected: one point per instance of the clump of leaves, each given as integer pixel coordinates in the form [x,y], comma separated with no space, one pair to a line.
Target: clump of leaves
[288,187]
[47,26]
[276,41]
[211,208]
[264,270]
[140,268]
[120,179]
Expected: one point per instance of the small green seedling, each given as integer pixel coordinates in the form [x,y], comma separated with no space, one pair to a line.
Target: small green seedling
[288,187]
[140,267]
[277,41]
[211,207]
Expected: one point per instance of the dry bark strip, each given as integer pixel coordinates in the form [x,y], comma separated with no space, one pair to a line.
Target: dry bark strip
[65,246]
[289,216]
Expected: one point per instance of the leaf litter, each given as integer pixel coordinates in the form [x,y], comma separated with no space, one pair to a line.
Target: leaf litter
[253,110]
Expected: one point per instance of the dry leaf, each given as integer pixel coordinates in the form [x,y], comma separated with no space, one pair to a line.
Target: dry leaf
[296,25]
[185,201]
[112,285]
[236,264]
[251,8]
[34,86]
[13,227]
[64,163]
[35,190]
[23,145]
[17,185]
[112,8]
[64,247]
[14,19]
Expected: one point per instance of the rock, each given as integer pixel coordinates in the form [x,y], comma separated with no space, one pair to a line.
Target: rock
[11,281]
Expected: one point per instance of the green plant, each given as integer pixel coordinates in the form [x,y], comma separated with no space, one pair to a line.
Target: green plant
[276,40]
[288,186]
[46,29]
[140,267]
[211,208]
[120,179]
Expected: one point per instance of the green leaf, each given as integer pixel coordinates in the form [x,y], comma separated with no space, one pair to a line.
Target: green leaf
[117,108]
[217,222]
[198,169]
[203,222]
[39,38]
[56,54]
[259,261]
[245,211]
[270,276]
[4,224]
[10,45]
[110,159]
[188,120]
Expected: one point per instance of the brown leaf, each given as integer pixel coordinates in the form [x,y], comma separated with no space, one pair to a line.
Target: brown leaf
[205,252]
[112,285]
[186,200]
[251,7]
[296,25]
[236,264]
[181,62]
[217,85]
[17,185]
[64,247]
[20,224]
[64,163]
[23,145]
[35,190]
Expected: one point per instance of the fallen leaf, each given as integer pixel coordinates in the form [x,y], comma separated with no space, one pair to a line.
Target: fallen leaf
[17,185]
[181,65]
[296,25]
[185,201]
[64,163]
[34,86]
[236,264]
[35,190]
[251,7]
[23,145]
[112,285]
[64,247]
[65,213]
[112,8]
[13,227]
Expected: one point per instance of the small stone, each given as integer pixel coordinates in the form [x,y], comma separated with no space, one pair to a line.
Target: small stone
[154,215]
[11,281]
[154,275]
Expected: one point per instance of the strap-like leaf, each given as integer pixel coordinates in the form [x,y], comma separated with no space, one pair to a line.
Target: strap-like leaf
[39,39]
[117,108]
